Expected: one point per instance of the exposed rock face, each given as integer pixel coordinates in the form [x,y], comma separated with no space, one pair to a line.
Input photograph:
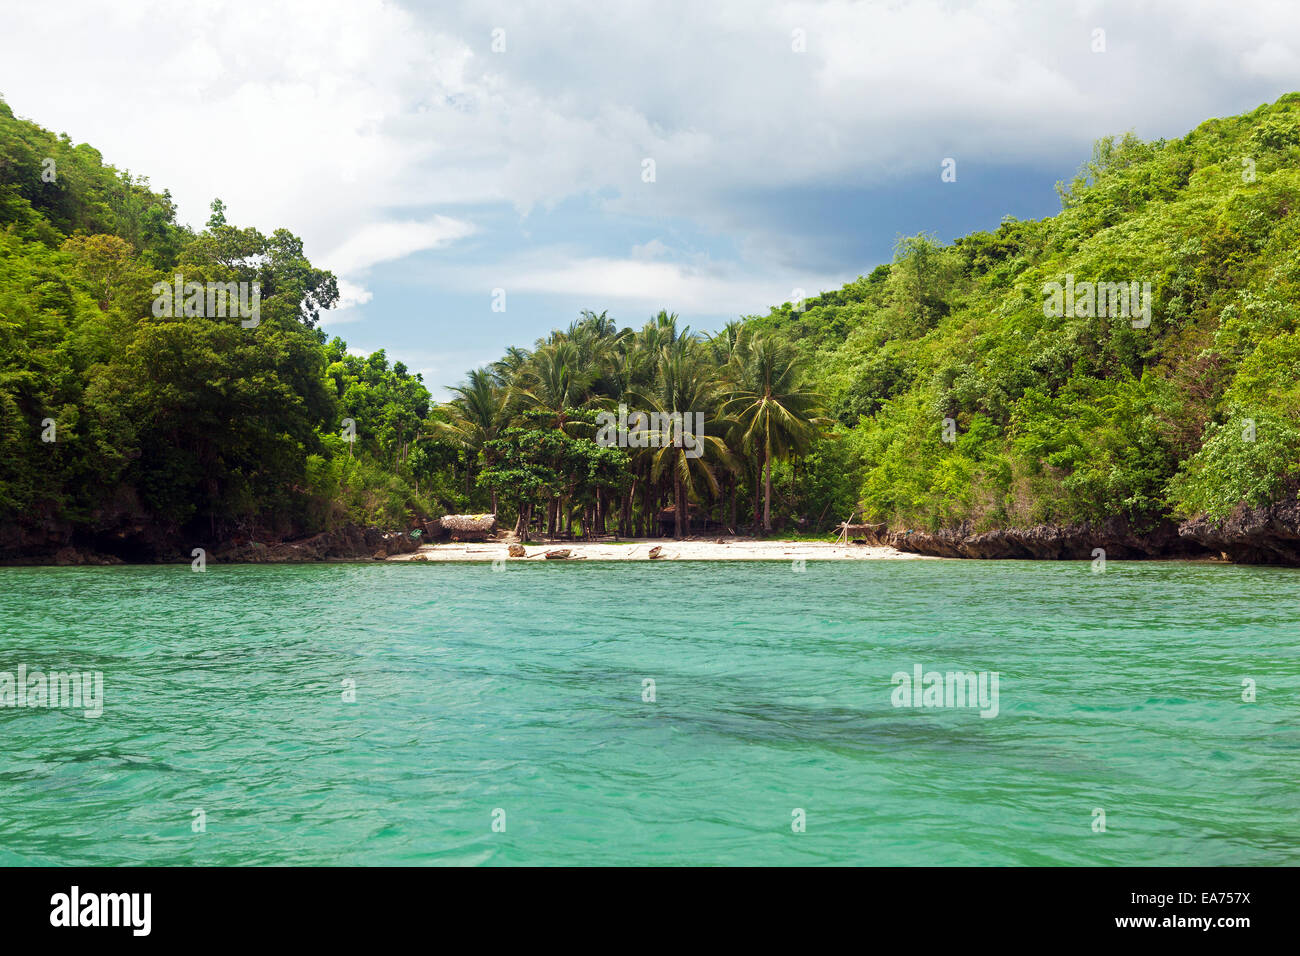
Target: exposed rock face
[18,542]
[49,542]
[1046,542]
[71,556]
[349,542]
[57,544]
[1268,535]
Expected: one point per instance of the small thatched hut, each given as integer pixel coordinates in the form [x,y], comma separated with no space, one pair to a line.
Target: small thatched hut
[432,530]
[469,527]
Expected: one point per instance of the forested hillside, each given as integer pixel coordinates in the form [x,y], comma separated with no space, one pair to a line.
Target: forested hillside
[1087,418]
[135,435]
[947,396]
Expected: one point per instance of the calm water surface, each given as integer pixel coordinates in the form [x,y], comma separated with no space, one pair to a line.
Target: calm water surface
[522,690]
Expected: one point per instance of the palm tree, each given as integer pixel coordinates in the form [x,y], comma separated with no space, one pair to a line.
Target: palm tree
[729,342]
[556,380]
[599,347]
[634,369]
[684,386]
[477,416]
[775,417]
[750,385]
[599,324]
[505,369]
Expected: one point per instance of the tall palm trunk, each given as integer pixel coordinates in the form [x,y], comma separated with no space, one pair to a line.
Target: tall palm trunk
[767,489]
[677,506]
[733,481]
[649,519]
[625,519]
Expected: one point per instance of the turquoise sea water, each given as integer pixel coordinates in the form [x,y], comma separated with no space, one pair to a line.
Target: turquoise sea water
[522,690]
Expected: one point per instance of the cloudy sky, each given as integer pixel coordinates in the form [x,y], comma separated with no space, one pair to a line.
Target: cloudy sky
[432,152]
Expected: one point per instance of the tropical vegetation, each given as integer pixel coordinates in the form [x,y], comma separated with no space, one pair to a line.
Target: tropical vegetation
[934,391]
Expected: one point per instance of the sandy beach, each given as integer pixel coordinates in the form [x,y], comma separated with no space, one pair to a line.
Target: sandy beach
[728,549]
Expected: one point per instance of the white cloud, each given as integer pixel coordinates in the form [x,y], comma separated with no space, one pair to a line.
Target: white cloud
[689,289]
[386,241]
[1273,59]
[322,114]
[347,309]
[281,108]
[654,249]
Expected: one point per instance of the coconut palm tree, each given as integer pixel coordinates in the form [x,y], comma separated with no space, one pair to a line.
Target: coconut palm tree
[775,417]
[556,380]
[505,369]
[476,416]
[685,385]
[726,344]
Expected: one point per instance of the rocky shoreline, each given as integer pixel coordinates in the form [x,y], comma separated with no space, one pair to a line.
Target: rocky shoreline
[350,543]
[1268,535]
[1046,542]
[1249,536]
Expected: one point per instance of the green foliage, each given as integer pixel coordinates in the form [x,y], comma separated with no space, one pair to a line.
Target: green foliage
[387,404]
[1243,461]
[533,465]
[193,426]
[1085,418]
[958,399]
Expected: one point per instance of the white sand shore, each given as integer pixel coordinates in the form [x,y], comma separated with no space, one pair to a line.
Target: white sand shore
[737,549]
